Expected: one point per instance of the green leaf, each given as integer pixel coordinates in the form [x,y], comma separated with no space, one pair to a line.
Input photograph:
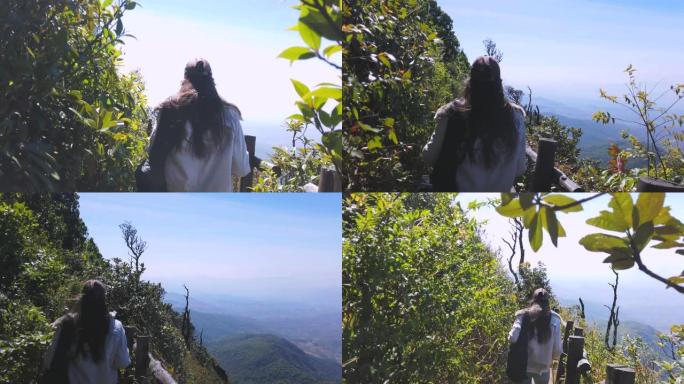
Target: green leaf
[622,207]
[320,24]
[332,49]
[325,93]
[609,221]
[677,279]
[535,234]
[648,205]
[643,235]
[512,209]
[375,143]
[599,242]
[300,87]
[297,53]
[561,200]
[309,36]
[550,223]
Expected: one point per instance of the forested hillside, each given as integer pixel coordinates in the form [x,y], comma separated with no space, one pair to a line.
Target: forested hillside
[403,61]
[45,255]
[263,358]
[425,300]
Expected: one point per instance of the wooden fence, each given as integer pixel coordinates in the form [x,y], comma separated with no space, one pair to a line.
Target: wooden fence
[574,363]
[545,172]
[329,180]
[145,364]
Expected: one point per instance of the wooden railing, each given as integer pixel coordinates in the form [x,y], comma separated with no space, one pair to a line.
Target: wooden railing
[329,180]
[145,364]
[574,362]
[545,172]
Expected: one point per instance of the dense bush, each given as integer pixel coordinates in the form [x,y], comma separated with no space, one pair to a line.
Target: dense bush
[68,120]
[424,300]
[402,61]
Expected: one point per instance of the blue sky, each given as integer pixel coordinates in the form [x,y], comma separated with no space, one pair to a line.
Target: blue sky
[241,40]
[575,272]
[567,49]
[285,246]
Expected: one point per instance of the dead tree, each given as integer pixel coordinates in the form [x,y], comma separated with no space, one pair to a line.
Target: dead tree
[515,243]
[185,326]
[136,246]
[491,50]
[582,314]
[613,319]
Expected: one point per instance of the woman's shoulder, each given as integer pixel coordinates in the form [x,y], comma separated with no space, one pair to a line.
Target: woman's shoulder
[457,106]
[232,110]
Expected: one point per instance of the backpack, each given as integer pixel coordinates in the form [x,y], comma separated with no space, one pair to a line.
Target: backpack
[516,366]
[57,373]
[148,178]
[443,173]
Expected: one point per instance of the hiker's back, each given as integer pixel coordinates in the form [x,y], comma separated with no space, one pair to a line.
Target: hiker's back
[186,172]
[85,370]
[455,170]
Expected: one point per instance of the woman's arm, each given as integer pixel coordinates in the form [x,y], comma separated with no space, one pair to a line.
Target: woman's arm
[522,142]
[434,146]
[122,357]
[515,330]
[241,166]
[50,353]
[557,341]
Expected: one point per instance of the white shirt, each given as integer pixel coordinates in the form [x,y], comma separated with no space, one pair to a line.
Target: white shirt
[185,172]
[540,356]
[472,175]
[85,370]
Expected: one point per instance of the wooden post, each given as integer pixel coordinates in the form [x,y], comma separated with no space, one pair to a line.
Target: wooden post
[130,337]
[329,181]
[544,166]
[575,349]
[649,184]
[560,372]
[247,181]
[578,332]
[142,349]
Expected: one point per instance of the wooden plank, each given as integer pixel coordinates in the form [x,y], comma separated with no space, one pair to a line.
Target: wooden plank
[624,375]
[575,349]
[329,181]
[649,184]
[543,167]
[130,337]
[142,350]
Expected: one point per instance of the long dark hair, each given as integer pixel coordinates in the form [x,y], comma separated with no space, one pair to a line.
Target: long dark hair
[198,102]
[92,320]
[539,312]
[484,114]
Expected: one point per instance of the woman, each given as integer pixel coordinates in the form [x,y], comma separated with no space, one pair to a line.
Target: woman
[479,143]
[198,141]
[543,332]
[89,345]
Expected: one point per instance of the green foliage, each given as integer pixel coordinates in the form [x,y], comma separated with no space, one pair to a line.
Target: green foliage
[423,297]
[321,106]
[660,125]
[641,223]
[68,120]
[402,61]
[673,346]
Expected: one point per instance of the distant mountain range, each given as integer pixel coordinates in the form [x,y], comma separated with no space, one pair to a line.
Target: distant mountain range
[259,359]
[596,137]
[263,342]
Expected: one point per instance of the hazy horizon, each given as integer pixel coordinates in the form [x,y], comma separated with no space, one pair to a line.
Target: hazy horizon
[567,50]
[254,246]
